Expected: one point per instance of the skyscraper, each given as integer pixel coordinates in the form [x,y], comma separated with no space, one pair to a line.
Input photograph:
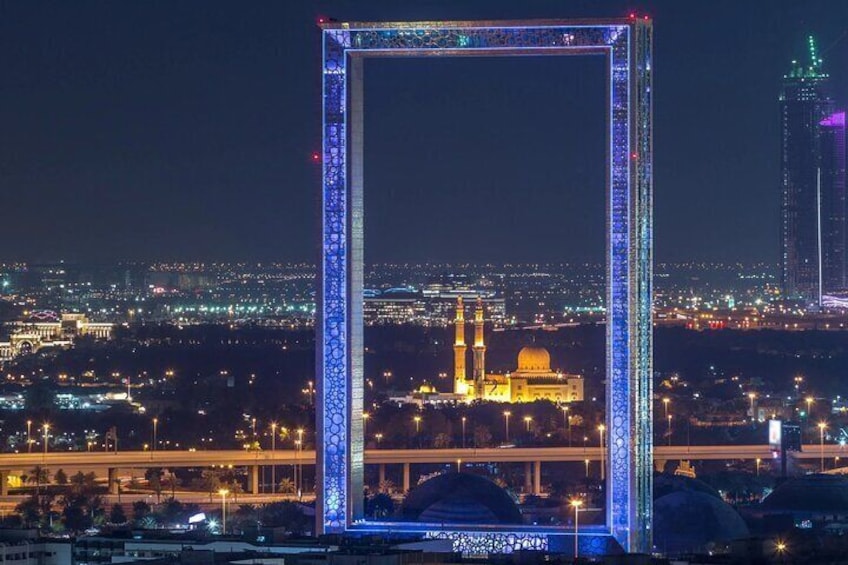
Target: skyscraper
[833,165]
[813,226]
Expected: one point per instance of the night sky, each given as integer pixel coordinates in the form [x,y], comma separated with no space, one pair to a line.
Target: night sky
[183,130]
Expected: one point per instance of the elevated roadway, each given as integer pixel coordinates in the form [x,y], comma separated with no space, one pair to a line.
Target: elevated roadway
[112,462]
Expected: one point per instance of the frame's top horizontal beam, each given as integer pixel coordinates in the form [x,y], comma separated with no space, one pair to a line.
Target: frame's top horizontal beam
[465,24]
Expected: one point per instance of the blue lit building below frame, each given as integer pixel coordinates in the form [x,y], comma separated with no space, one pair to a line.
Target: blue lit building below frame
[626,44]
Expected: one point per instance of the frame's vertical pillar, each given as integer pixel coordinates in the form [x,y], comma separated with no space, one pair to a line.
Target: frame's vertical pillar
[620,311]
[333,457]
[642,233]
[356,215]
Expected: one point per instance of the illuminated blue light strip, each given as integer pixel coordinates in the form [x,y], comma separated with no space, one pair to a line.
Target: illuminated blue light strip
[629,346]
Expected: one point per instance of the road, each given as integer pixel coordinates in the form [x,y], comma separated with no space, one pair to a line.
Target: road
[98,461]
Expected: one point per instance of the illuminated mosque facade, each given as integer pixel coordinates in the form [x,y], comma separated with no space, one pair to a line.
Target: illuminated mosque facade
[532,380]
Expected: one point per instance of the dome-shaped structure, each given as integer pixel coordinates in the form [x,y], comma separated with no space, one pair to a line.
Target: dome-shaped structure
[826,494]
[460,498]
[427,388]
[689,520]
[666,483]
[534,360]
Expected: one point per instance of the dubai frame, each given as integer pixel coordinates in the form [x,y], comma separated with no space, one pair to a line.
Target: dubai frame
[626,44]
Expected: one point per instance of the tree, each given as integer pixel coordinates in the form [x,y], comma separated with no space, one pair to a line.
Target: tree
[154,480]
[286,486]
[211,481]
[379,506]
[61,477]
[38,476]
[442,441]
[235,489]
[117,516]
[140,510]
[29,510]
[286,515]
[171,482]
[75,518]
[83,483]
[172,511]
[482,436]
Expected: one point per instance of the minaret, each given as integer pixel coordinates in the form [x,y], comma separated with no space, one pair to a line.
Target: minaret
[460,384]
[479,352]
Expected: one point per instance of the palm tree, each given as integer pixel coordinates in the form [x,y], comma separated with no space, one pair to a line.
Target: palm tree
[38,475]
[172,482]
[212,481]
[235,489]
[286,486]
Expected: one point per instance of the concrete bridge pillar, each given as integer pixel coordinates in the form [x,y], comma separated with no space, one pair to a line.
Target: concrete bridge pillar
[113,480]
[381,479]
[528,477]
[253,479]
[4,483]
[659,465]
[406,477]
[537,477]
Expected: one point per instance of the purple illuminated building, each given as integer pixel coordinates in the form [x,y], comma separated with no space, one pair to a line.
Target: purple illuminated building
[833,162]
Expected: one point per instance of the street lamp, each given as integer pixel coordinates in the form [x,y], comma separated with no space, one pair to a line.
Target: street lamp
[527,420]
[299,444]
[758,466]
[567,422]
[155,431]
[458,465]
[752,396]
[365,416]
[669,429]
[507,414]
[417,420]
[780,548]
[379,438]
[46,428]
[601,429]
[297,470]
[586,461]
[809,401]
[576,504]
[822,428]
[273,457]
[223,492]
[463,431]
[665,401]
[29,436]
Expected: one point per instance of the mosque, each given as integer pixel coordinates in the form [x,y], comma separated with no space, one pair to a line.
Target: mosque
[532,380]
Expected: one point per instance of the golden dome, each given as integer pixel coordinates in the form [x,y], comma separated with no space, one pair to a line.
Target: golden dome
[534,360]
[427,388]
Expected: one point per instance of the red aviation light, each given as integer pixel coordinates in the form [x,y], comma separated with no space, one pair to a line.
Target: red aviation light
[316,157]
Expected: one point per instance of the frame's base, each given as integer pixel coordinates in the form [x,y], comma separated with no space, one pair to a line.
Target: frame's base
[489,541]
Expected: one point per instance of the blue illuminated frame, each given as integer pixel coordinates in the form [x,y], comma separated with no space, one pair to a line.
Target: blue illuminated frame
[627,44]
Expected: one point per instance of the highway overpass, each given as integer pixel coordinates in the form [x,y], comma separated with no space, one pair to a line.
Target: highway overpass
[111,462]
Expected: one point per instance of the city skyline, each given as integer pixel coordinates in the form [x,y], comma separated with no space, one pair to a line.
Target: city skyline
[164,132]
